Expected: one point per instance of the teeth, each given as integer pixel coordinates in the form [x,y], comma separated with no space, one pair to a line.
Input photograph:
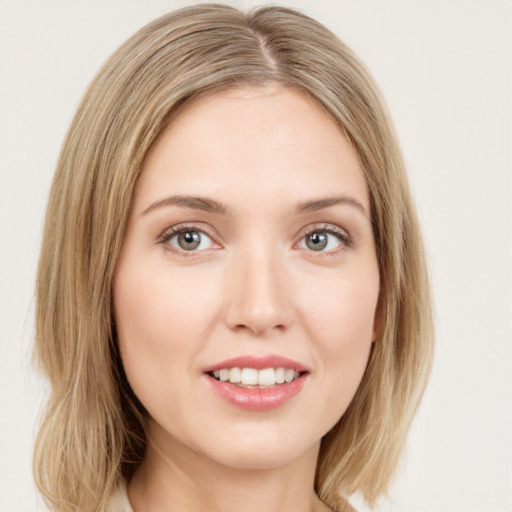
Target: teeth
[280,373]
[249,376]
[253,377]
[267,377]
[235,375]
[288,375]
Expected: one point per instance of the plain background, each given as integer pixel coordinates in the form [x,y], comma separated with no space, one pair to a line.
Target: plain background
[445,67]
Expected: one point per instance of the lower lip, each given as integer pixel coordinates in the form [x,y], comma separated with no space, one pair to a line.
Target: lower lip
[257,399]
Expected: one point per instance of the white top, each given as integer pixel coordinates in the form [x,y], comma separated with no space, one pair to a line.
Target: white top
[119,500]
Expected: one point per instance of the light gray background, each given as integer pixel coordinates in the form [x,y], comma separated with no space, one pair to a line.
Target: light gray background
[445,69]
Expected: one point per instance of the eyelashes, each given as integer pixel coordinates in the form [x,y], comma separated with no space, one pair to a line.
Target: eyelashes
[187,239]
[191,239]
[325,238]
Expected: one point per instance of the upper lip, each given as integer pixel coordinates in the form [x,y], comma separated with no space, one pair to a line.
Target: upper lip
[258,363]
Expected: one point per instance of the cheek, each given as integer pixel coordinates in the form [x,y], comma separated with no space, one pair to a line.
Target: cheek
[341,321]
[342,315]
[158,303]
[162,320]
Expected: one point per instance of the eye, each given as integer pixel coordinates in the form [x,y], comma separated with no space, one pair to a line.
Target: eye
[325,240]
[187,239]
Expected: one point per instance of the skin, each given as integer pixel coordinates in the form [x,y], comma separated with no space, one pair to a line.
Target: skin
[252,287]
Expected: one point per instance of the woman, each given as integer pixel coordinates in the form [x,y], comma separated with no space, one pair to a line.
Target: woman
[232,308]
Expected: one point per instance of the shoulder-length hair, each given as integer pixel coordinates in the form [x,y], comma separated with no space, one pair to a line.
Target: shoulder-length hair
[92,432]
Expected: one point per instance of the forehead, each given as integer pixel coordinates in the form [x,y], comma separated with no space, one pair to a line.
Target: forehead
[269,139]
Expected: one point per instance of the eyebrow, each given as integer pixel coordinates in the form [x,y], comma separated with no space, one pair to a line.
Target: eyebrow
[212,206]
[326,202]
[194,202]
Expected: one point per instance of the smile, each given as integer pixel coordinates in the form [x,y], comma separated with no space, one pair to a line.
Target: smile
[257,383]
[252,377]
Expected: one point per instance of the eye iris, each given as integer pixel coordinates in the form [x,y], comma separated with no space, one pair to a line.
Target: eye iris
[316,241]
[189,240]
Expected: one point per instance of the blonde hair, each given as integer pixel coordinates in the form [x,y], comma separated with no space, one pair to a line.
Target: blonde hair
[92,432]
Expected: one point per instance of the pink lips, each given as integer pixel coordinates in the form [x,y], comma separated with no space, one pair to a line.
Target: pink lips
[259,363]
[258,399]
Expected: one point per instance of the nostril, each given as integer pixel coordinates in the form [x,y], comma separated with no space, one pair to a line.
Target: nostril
[259,328]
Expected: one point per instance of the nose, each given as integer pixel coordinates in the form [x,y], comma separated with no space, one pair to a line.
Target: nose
[259,293]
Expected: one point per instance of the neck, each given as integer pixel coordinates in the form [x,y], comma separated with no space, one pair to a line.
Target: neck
[174,477]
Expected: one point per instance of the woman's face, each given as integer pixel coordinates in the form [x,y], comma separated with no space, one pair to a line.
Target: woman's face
[248,259]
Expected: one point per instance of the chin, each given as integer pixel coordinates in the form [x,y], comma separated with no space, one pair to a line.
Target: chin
[262,450]
[249,459]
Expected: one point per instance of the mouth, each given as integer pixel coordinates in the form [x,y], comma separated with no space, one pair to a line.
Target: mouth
[257,383]
[253,378]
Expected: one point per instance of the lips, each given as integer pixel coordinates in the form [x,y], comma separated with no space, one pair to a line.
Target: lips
[258,363]
[257,383]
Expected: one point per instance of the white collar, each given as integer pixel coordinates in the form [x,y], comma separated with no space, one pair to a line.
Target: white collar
[119,500]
